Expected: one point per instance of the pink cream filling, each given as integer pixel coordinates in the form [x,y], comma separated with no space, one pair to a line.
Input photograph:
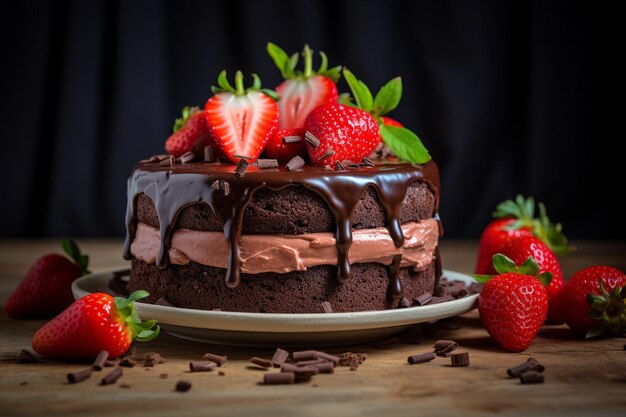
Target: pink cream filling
[285,253]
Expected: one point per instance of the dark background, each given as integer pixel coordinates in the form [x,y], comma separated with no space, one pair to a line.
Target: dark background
[500,92]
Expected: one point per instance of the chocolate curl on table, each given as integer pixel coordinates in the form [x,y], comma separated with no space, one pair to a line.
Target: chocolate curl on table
[531,364]
[421,358]
[279,357]
[202,366]
[27,356]
[112,377]
[531,377]
[218,359]
[459,358]
[279,378]
[80,376]
[100,360]
[183,386]
[262,362]
[444,347]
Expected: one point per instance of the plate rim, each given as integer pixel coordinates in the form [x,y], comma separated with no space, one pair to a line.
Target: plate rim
[288,323]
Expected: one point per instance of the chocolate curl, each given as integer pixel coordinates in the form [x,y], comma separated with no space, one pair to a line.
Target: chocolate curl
[444,347]
[531,377]
[280,356]
[460,358]
[202,366]
[218,359]
[421,358]
[262,362]
[531,364]
[112,377]
[80,376]
[183,386]
[279,378]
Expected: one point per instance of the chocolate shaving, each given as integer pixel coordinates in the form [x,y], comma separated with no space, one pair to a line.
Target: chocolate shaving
[444,347]
[299,370]
[183,386]
[531,364]
[531,377]
[339,166]
[324,367]
[80,376]
[280,356]
[187,157]
[267,163]
[124,386]
[457,289]
[215,185]
[262,362]
[351,359]
[218,359]
[330,151]
[326,307]
[208,154]
[127,363]
[404,303]
[161,157]
[350,164]
[100,360]
[242,165]
[292,139]
[475,288]
[437,300]
[311,139]
[279,378]
[221,373]
[295,163]
[163,302]
[169,161]
[110,363]
[421,358]
[242,157]
[112,377]
[202,366]
[225,186]
[423,299]
[152,359]
[366,162]
[27,356]
[328,357]
[460,358]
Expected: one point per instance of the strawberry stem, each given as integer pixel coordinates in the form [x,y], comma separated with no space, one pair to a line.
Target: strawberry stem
[239,88]
[71,249]
[307,54]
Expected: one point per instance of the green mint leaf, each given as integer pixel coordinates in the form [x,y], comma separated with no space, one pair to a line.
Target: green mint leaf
[279,57]
[361,93]
[388,97]
[404,144]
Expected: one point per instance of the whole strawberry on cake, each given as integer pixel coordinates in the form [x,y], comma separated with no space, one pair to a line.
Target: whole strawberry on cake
[284,203]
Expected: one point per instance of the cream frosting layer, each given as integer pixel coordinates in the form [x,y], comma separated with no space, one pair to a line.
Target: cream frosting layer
[285,253]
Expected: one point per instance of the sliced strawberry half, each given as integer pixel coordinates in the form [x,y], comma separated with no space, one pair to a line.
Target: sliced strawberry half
[302,91]
[241,120]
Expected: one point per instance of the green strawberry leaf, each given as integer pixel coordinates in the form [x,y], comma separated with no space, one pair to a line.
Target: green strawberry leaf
[529,267]
[598,329]
[72,250]
[388,97]
[503,264]
[270,93]
[361,93]
[482,279]
[147,335]
[256,83]
[334,73]
[405,144]
[545,278]
[291,65]
[280,58]
[346,100]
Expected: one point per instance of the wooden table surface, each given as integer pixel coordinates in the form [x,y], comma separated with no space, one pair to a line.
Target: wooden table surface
[581,377]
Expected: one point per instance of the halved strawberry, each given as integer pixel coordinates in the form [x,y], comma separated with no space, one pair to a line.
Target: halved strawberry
[302,91]
[242,120]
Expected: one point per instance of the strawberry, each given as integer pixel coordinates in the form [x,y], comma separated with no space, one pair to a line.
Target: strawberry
[345,133]
[190,134]
[515,219]
[302,91]
[92,324]
[278,148]
[524,246]
[241,120]
[593,302]
[403,143]
[513,305]
[46,289]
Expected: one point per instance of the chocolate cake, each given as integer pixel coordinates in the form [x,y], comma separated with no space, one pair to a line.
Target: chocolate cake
[202,236]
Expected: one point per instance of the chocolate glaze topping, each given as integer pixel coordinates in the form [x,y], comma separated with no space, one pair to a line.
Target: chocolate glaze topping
[176,187]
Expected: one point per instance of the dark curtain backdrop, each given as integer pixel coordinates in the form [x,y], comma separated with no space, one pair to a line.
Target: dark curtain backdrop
[500,92]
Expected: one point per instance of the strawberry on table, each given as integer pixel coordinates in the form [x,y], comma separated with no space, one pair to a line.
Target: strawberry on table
[302,91]
[92,324]
[593,302]
[513,304]
[241,120]
[190,134]
[285,144]
[514,219]
[524,246]
[46,289]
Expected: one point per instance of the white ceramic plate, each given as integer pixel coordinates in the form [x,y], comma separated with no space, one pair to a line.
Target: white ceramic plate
[288,330]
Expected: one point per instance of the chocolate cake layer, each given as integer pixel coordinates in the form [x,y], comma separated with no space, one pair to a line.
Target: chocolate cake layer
[203,287]
[296,210]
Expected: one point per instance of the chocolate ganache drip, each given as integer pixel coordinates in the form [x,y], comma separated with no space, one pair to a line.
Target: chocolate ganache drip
[174,188]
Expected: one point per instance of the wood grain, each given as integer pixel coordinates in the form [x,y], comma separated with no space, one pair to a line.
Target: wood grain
[581,377]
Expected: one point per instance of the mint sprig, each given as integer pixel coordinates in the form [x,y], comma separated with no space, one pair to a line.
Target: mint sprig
[405,144]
